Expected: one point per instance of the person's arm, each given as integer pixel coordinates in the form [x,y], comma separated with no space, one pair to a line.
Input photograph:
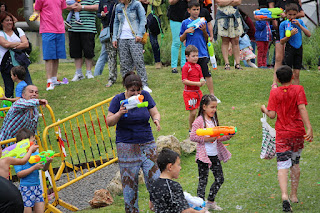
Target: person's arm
[193,83]
[47,164]
[116,23]
[113,118]
[305,119]
[184,35]
[305,30]
[203,27]
[197,124]
[26,172]
[79,7]
[301,12]
[142,22]
[236,3]
[24,160]
[7,44]
[173,2]
[10,99]
[269,113]
[274,21]
[23,44]
[222,3]
[210,28]
[155,115]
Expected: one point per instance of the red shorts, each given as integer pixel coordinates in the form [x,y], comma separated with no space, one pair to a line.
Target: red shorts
[289,144]
[192,99]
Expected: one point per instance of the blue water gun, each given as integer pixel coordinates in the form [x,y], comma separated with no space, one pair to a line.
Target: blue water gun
[288,28]
[196,23]
[267,13]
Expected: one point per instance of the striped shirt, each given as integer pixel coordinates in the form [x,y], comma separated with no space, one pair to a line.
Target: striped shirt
[22,114]
[88,19]
[223,153]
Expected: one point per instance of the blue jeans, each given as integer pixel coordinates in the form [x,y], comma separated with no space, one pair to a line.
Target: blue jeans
[176,43]
[155,47]
[102,60]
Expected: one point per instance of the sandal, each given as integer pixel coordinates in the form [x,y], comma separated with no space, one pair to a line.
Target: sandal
[238,67]
[227,66]
[286,207]
[109,84]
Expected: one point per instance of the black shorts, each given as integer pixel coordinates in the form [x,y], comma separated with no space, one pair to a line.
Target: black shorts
[293,56]
[203,62]
[81,42]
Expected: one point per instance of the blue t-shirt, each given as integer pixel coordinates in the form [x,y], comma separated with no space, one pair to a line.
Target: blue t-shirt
[135,128]
[196,39]
[19,88]
[295,40]
[33,178]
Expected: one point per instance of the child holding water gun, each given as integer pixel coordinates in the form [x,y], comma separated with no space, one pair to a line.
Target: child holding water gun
[167,195]
[293,50]
[199,38]
[18,75]
[30,187]
[210,150]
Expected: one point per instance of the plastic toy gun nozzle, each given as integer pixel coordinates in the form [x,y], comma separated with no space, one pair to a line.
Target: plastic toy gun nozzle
[143,104]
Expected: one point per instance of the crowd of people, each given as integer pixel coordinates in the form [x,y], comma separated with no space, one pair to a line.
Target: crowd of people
[136,147]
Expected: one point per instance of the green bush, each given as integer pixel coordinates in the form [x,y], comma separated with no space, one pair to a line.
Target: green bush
[35,54]
[311,49]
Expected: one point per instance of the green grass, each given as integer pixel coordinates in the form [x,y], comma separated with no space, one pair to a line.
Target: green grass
[249,181]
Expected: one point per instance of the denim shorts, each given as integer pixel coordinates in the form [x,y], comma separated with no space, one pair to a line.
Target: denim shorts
[53,46]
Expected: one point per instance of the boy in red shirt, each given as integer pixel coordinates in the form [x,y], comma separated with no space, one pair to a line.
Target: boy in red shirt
[289,102]
[192,79]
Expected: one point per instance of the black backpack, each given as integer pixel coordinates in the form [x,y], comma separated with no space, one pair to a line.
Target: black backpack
[27,50]
[154,24]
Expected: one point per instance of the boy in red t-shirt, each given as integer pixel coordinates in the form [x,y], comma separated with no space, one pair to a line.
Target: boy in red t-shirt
[193,79]
[289,102]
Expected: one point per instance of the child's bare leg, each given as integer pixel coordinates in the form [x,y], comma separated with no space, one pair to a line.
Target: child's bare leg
[295,176]
[27,210]
[38,207]
[209,83]
[251,64]
[236,49]
[296,74]
[283,182]
[192,117]
[224,49]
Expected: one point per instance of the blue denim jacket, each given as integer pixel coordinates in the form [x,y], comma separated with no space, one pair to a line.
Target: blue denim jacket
[136,15]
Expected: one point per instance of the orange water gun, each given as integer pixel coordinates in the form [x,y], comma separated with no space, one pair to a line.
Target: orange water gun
[217,131]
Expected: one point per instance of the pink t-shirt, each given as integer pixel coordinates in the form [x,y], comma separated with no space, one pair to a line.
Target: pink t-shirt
[284,101]
[51,20]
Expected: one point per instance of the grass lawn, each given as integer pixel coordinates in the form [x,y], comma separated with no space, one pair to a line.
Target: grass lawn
[250,183]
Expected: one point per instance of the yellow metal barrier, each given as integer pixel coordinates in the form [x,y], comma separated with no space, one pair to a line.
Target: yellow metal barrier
[82,149]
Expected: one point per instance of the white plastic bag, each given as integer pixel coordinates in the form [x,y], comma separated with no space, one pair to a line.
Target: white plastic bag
[268,146]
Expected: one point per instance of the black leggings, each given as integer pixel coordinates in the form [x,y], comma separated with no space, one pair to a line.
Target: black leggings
[216,169]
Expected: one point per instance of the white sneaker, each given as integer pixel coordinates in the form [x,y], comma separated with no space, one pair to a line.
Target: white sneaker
[218,100]
[213,206]
[89,75]
[77,77]
[146,88]
[50,86]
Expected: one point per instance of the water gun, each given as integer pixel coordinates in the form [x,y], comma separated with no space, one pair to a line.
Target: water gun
[217,131]
[41,157]
[34,16]
[267,13]
[4,103]
[196,23]
[288,28]
[196,203]
[133,102]
[17,150]
[212,56]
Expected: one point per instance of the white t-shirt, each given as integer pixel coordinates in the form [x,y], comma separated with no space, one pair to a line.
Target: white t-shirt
[12,38]
[211,148]
[126,32]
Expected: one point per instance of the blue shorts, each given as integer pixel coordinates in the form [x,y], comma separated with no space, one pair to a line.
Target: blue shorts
[31,195]
[53,46]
